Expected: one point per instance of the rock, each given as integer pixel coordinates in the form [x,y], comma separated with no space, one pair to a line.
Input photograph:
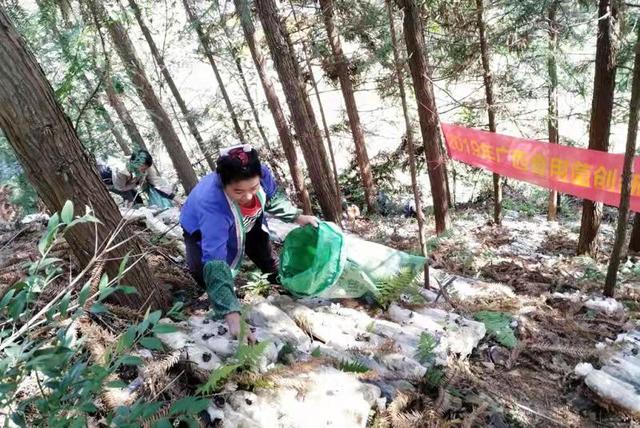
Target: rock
[456,335]
[583,369]
[324,388]
[605,305]
[278,323]
[618,382]
[467,289]
[34,218]
[614,390]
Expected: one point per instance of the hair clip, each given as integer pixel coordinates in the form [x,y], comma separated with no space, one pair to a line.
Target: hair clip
[246,148]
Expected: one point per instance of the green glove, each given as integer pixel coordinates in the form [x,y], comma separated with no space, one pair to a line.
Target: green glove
[219,282]
[280,207]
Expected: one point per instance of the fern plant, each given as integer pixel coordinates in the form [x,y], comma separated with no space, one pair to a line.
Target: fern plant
[258,284]
[404,283]
[426,345]
[246,357]
[351,366]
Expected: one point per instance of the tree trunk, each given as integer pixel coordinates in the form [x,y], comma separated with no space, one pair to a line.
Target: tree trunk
[634,240]
[114,130]
[601,111]
[275,167]
[340,61]
[154,108]
[123,114]
[427,110]
[193,129]
[314,84]
[627,171]
[409,131]
[286,139]
[552,120]
[57,165]
[303,119]
[65,10]
[206,46]
[491,108]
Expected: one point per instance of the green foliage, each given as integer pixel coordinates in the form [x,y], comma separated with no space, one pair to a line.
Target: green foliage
[257,284]
[351,366]
[246,357]
[60,384]
[498,325]
[404,283]
[426,345]
[434,377]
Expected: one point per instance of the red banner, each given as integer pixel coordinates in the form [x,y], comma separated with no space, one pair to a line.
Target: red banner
[588,174]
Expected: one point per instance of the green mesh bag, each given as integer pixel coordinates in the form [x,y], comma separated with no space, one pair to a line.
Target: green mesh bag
[157,200]
[312,259]
[326,263]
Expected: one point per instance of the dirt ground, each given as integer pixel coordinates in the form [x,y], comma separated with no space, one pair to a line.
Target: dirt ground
[531,385]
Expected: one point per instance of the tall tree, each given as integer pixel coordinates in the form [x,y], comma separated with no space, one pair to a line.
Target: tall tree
[601,110]
[634,239]
[314,83]
[427,110]
[156,111]
[115,101]
[205,42]
[299,105]
[491,107]
[244,13]
[342,68]
[68,55]
[552,119]
[57,165]
[159,59]
[627,170]
[409,131]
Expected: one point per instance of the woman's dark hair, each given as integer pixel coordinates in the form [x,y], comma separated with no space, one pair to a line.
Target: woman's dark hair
[238,165]
[141,157]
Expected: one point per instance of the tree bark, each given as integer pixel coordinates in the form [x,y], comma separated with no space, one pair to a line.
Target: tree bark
[491,108]
[340,61]
[552,120]
[409,131]
[114,130]
[286,139]
[627,171]
[123,114]
[427,110]
[206,46]
[634,240]
[57,165]
[303,119]
[314,84]
[191,124]
[601,111]
[154,108]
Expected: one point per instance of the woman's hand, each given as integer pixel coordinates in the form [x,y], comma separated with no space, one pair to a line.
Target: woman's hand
[307,219]
[233,322]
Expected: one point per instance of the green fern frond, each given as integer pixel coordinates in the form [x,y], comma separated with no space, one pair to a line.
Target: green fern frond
[352,367]
[434,377]
[393,288]
[426,345]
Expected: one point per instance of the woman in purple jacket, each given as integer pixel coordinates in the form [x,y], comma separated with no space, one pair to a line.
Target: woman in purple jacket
[223,218]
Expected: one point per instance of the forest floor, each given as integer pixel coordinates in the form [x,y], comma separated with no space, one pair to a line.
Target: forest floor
[533,384]
[536,381]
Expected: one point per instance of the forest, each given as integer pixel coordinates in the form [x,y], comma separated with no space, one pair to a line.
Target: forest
[294,213]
